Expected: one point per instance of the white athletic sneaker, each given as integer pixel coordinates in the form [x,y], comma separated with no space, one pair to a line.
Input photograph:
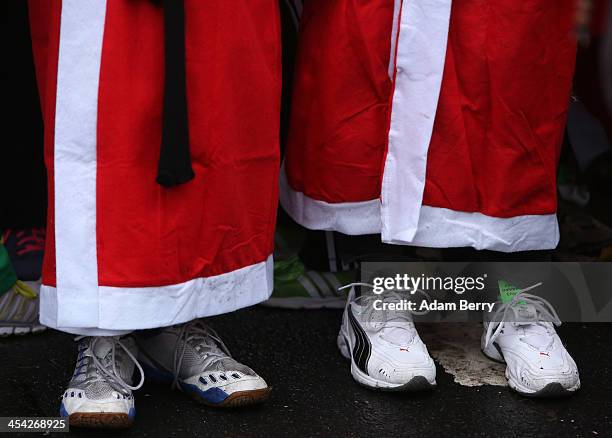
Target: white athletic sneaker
[99,394]
[521,334]
[385,349]
[194,359]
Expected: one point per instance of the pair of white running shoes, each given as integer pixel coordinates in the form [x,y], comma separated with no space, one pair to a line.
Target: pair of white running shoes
[384,348]
[386,352]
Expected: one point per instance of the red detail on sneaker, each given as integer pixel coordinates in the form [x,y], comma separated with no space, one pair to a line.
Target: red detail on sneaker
[27,240]
[542,353]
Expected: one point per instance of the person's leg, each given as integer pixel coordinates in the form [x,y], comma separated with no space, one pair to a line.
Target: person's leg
[331,179]
[99,392]
[516,128]
[123,252]
[235,152]
[447,139]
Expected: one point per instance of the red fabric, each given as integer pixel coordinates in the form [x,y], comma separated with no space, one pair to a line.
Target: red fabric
[224,219]
[45,19]
[337,135]
[500,117]
[502,108]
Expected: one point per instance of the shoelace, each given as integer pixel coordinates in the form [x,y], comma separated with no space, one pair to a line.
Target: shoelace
[114,375]
[389,296]
[194,331]
[23,289]
[542,307]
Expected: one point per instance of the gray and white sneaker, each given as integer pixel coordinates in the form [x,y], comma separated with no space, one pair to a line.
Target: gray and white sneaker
[19,309]
[99,394]
[384,347]
[194,359]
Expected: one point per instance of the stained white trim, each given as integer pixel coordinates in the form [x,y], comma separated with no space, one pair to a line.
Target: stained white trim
[75,151]
[443,228]
[437,227]
[401,218]
[419,67]
[348,218]
[151,307]
[79,304]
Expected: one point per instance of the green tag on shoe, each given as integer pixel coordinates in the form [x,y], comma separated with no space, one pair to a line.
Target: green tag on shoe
[506,291]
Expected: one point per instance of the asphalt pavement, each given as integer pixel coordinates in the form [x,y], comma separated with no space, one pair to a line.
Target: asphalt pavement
[314,394]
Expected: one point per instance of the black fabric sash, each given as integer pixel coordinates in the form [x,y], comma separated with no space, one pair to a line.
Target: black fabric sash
[174,166]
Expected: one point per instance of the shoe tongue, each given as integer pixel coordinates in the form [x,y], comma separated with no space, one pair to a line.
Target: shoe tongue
[400,333]
[535,331]
[526,313]
[539,341]
[395,326]
[537,335]
[102,350]
[204,343]
[102,347]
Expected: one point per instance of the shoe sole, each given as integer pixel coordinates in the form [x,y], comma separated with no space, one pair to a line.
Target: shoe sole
[552,390]
[19,330]
[106,420]
[416,384]
[237,399]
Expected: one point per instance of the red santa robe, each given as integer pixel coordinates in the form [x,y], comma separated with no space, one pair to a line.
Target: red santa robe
[123,252]
[434,124]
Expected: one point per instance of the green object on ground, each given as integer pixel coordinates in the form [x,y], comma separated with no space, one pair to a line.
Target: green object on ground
[298,288]
[7,275]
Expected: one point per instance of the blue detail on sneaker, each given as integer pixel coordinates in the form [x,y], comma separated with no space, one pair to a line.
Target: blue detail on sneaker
[63,412]
[213,395]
